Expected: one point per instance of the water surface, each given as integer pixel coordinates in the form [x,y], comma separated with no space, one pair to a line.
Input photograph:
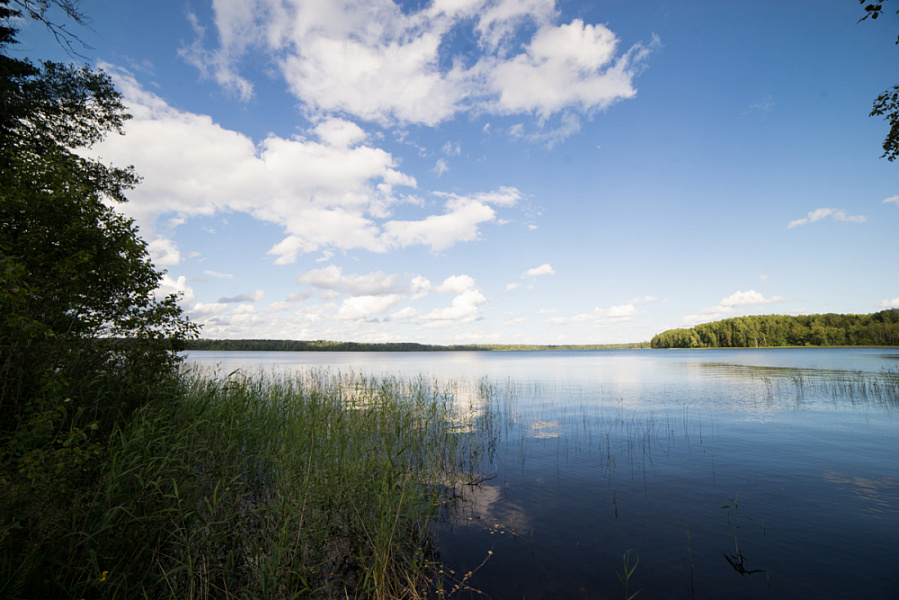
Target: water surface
[725,473]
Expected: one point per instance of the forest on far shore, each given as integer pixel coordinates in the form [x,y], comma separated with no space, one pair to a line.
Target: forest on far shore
[878,329]
[331,346]
[759,331]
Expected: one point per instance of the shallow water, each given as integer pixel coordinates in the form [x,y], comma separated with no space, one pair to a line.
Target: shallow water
[725,473]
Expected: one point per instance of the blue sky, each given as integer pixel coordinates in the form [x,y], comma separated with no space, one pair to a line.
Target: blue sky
[502,171]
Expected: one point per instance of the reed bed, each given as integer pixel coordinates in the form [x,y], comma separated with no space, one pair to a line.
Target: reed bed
[869,389]
[307,486]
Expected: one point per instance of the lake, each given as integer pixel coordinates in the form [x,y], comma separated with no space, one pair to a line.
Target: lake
[672,473]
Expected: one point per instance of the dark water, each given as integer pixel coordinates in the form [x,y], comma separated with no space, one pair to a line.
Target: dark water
[719,474]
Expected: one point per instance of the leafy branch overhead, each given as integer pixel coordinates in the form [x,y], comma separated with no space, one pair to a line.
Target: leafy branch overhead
[80,320]
[887,104]
[37,10]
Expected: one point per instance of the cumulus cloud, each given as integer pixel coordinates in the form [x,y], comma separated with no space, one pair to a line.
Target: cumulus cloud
[541,271]
[350,58]
[894,303]
[169,285]
[457,284]
[376,283]
[403,314]
[465,306]
[748,298]
[330,190]
[365,307]
[728,307]
[419,286]
[822,213]
[459,223]
[567,66]
[891,199]
[164,252]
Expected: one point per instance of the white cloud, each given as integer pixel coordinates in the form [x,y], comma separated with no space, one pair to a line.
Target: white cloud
[459,223]
[569,125]
[202,310]
[457,284]
[569,66]
[727,307]
[498,21]
[440,167]
[452,149]
[164,252]
[821,213]
[749,297]
[220,65]
[419,286]
[403,314]
[541,271]
[894,303]
[621,312]
[218,275]
[379,63]
[332,278]
[466,304]
[464,309]
[511,286]
[326,193]
[364,307]
[339,133]
[169,285]
[893,199]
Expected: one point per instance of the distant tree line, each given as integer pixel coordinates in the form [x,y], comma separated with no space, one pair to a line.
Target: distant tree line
[312,346]
[878,329]
[329,346]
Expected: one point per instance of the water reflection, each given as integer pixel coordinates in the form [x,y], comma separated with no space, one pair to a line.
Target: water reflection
[598,453]
[877,495]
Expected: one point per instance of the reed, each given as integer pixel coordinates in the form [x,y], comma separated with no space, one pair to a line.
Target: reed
[306,486]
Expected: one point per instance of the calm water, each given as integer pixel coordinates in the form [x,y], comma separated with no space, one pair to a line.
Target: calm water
[727,474]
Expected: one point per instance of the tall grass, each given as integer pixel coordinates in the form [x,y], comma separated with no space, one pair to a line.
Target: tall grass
[305,486]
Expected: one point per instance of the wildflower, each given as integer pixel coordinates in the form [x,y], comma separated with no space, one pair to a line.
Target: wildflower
[103,576]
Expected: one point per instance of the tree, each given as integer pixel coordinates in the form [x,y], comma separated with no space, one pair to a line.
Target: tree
[83,337]
[887,104]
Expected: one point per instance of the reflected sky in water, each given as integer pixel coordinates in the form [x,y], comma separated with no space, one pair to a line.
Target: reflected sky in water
[730,473]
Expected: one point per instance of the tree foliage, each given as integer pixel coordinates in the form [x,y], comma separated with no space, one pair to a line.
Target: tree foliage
[886,105]
[878,329]
[82,334]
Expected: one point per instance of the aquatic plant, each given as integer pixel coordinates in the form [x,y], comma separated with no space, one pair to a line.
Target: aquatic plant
[628,572]
[308,485]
